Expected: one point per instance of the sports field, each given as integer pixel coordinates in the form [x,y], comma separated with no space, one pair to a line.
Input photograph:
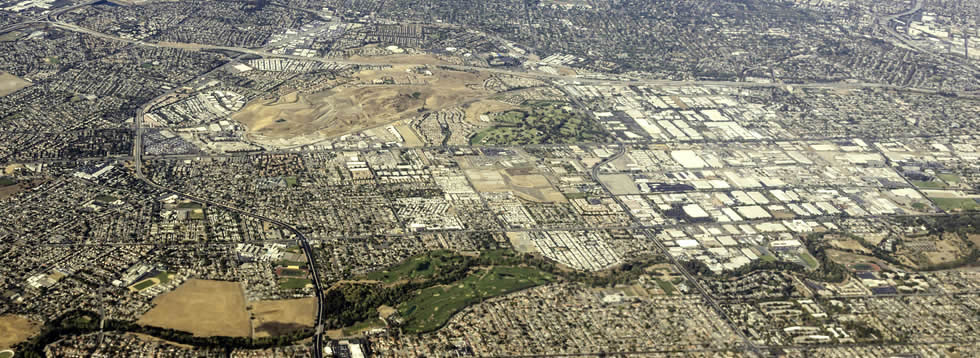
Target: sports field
[201,307]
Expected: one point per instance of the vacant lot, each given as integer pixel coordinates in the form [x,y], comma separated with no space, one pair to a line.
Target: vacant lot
[279,317]
[202,307]
[10,83]
[523,182]
[15,329]
[411,59]
[376,98]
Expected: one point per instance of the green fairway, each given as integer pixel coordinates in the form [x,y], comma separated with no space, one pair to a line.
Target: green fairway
[541,122]
[956,204]
[144,284]
[432,307]
[293,283]
[421,266]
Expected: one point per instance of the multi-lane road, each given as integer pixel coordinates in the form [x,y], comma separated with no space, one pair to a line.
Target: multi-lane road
[304,243]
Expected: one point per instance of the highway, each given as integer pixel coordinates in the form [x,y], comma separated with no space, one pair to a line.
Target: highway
[301,238]
[137,155]
[512,72]
[884,22]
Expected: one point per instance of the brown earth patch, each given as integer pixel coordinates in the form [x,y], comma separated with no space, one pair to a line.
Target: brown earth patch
[15,329]
[203,308]
[10,83]
[277,317]
[370,101]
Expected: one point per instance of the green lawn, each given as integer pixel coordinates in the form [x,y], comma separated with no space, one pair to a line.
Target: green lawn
[6,355]
[196,215]
[7,181]
[432,307]
[363,326]
[768,258]
[287,263]
[810,261]
[293,283]
[292,272]
[932,184]
[666,286]
[144,284]
[106,198]
[191,205]
[956,204]
[290,181]
[164,277]
[949,178]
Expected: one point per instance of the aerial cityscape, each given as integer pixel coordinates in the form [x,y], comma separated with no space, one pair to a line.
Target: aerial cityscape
[455,178]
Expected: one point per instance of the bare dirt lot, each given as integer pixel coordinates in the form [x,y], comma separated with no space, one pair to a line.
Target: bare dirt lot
[375,98]
[419,59]
[202,307]
[283,316]
[523,182]
[851,245]
[10,83]
[15,329]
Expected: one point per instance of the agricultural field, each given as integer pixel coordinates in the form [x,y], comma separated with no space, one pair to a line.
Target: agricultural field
[15,329]
[540,123]
[432,307]
[277,317]
[203,308]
